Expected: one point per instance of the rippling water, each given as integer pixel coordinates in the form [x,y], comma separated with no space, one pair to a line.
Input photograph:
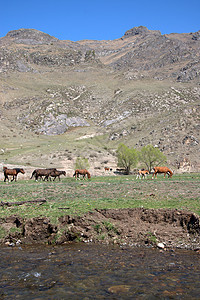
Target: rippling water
[83,271]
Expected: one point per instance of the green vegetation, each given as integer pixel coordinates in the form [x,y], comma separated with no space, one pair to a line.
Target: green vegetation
[70,197]
[147,157]
[151,156]
[127,157]
[152,237]
[82,163]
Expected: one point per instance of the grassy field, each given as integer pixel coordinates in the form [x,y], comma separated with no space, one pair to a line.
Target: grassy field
[78,197]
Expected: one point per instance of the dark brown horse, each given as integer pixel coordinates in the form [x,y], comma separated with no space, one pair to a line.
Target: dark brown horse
[12,172]
[82,172]
[161,170]
[57,173]
[39,173]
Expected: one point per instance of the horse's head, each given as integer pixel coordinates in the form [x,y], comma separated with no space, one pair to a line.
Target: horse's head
[5,168]
[22,171]
[64,173]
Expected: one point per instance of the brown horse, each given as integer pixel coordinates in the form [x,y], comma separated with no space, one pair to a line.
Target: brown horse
[38,173]
[83,172]
[12,172]
[56,173]
[164,170]
[107,169]
[142,174]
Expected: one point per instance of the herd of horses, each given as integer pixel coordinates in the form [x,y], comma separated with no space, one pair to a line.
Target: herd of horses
[47,174]
[43,174]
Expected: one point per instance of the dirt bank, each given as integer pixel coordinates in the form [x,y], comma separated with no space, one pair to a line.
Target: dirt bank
[134,227]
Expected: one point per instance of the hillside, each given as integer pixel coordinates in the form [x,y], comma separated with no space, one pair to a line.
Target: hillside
[60,99]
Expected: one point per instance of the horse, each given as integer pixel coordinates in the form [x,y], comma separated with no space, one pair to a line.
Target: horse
[107,169]
[12,172]
[56,173]
[42,172]
[142,174]
[164,170]
[83,172]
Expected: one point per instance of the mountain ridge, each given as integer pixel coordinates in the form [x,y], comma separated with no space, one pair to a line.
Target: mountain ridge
[141,88]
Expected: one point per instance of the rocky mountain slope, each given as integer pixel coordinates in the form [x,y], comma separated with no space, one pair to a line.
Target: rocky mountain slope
[60,99]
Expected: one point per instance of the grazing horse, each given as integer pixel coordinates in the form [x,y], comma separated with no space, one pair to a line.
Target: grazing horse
[164,170]
[142,174]
[12,172]
[83,172]
[56,173]
[42,172]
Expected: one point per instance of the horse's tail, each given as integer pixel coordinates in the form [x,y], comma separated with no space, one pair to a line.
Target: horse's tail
[33,174]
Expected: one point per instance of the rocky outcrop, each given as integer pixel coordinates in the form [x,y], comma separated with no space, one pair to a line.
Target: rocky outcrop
[31,37]
[141,30]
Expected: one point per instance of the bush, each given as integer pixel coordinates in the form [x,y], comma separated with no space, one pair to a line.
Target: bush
[82,163]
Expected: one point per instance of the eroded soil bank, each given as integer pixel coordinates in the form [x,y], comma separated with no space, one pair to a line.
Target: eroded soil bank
[134,227]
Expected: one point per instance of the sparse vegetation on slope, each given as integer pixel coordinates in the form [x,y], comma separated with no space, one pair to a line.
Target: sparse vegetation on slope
[140,89]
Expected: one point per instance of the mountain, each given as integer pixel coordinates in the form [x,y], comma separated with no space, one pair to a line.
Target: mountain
[61,99]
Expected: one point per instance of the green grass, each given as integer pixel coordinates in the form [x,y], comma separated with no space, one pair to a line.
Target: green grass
[115,192]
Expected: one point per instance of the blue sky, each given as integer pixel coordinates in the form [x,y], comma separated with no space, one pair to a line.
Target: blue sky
[99,19]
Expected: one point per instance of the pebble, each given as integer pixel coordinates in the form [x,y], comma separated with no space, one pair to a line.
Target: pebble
[161,245]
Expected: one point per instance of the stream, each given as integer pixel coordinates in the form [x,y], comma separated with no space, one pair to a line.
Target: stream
[91,271]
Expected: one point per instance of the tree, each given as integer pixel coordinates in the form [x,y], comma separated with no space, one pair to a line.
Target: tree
[82,163]
[151,156]
[127,157]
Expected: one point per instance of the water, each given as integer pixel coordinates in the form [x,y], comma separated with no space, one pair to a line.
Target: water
[85,271]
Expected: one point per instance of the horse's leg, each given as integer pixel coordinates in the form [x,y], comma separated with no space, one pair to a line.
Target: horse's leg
[6,177]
